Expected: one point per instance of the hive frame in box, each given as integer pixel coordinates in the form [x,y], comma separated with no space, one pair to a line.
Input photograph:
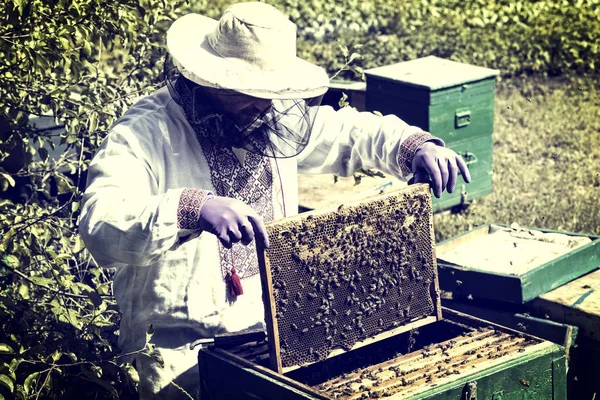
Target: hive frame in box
[381,259]
[536,368]
[443,359]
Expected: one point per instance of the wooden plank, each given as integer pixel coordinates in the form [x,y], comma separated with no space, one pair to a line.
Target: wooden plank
[561,270]
[319,192]
[227,376]
[575,303]
[269,303]
[461,239]
[546,329]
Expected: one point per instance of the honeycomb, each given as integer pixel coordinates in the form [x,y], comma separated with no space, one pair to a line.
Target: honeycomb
[343,276]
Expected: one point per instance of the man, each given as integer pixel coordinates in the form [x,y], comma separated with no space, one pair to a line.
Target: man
[179,191]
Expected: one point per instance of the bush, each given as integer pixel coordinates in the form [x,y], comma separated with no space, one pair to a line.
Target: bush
[81,63]
[543,36]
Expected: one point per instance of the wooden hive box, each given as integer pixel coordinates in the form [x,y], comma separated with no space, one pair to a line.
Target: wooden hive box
[353,311]
[454,101]
[513,264]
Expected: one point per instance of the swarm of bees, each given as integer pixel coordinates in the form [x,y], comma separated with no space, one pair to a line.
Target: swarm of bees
[342,276]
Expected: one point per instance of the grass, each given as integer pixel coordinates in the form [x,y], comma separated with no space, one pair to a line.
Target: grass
[546,158]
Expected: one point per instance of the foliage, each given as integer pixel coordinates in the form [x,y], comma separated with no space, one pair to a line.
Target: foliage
[81,63]
[516,37]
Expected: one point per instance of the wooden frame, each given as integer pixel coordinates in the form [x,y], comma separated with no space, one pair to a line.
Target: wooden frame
[270,301]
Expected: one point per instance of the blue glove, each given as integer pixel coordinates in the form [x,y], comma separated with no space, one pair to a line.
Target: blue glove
[232,221]
[441,164]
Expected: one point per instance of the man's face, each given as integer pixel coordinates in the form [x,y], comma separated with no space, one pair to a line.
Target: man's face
[241,108]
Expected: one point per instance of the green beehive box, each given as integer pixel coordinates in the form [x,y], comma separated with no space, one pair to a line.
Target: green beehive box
[370,325]
[513,264]
[451,100]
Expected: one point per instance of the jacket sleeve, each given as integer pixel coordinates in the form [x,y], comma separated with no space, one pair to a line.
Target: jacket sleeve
[346,140]
[124,218]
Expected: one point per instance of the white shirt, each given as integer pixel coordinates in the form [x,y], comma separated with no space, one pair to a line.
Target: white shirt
[170,277]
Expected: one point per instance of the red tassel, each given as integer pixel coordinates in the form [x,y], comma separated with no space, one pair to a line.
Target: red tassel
[234,283]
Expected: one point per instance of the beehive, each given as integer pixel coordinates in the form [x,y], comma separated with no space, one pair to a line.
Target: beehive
[451,100]
[337,278]
[353,312]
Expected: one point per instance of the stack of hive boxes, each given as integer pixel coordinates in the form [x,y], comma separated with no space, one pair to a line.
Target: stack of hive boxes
[451,100]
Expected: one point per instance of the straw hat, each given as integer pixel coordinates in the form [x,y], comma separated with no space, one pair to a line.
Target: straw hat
[251,49]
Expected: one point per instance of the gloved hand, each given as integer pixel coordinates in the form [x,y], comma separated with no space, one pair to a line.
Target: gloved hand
[441,164]
[232,221]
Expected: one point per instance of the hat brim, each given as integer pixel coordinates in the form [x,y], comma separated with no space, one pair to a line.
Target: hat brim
[198,62]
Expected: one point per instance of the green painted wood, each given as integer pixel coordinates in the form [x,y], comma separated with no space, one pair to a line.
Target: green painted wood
[223,377]
[531,377]
[519,288]
[440,119]
[562,270]
[471,284]
[478,154]
[456,106]
[479,118]
[432,73]
[559,378]
[499,313]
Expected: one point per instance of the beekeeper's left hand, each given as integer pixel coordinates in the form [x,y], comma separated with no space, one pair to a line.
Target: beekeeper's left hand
[439,166]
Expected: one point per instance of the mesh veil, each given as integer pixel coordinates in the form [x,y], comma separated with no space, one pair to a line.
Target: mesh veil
[280,129]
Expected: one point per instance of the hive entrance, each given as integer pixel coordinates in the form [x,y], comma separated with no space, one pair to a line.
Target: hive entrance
[343,276]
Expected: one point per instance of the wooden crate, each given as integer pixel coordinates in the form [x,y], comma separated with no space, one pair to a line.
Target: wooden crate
[513,264]
[453,101]
[373,326]
[577,303]
[459,357]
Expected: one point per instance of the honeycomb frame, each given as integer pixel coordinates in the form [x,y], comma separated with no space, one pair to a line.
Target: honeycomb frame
[337,278]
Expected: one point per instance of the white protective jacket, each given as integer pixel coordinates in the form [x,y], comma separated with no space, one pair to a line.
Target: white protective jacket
[169,276]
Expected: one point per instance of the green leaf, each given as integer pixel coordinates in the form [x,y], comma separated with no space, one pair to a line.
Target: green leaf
[11,260]
[43,153]
[149,332]
[131,373]
[29,381]
[6,349]
[7,382]
[95,298]
[78,245]
[8,178]
[94,377]
[23,291]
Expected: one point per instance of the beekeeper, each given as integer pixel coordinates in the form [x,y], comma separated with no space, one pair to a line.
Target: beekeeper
[180,189]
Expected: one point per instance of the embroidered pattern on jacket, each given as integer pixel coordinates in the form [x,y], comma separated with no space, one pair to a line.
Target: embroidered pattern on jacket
[188,210]
[251,183]
[409,147]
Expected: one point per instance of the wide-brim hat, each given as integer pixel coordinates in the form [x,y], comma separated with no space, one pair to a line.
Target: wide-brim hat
[251,49]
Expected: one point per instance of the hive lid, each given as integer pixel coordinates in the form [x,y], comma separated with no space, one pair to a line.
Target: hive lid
[339,279]
[513,263]
[432,72]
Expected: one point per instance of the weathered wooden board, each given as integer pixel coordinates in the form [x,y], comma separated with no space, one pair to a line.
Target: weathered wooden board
[576,303]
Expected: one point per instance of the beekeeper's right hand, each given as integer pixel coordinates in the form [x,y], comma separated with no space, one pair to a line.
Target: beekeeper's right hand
[232,221]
